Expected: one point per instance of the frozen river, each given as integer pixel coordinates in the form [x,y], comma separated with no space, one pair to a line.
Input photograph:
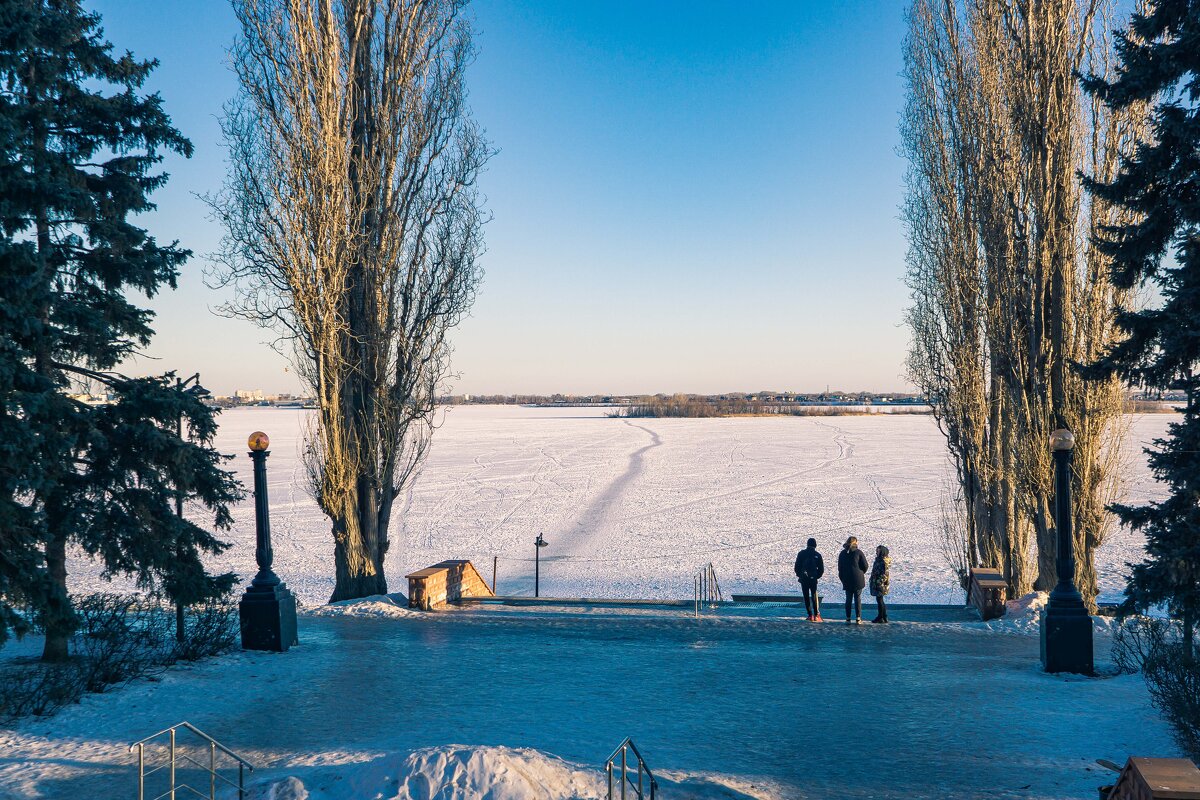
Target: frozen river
[633,507]
[796,709]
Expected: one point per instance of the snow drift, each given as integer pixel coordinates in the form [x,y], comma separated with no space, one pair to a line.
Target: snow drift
[459,772]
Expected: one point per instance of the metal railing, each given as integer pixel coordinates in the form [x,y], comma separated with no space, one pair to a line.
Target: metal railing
[175,758]
[622,752]
[706,589]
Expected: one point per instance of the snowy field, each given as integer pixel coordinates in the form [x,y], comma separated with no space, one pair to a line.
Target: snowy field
[749,703]
[632,508]
[745,704]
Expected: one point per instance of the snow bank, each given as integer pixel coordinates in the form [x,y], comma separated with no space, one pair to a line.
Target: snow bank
[458,772]
[1024,615]
[379,606]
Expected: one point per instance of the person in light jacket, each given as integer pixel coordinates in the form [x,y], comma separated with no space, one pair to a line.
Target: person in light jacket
[809,569]
[881,581]
[852,570]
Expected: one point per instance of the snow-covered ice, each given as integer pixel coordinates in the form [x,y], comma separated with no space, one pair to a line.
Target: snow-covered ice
[382,702]
[633,507]
[755,699]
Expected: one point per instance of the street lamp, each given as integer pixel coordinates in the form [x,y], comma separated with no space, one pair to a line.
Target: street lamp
[267,611]
[192,387]
[537,563]
[1066,626]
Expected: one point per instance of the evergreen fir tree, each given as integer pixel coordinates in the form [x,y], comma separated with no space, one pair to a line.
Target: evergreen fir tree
[79,147]
[1160,182]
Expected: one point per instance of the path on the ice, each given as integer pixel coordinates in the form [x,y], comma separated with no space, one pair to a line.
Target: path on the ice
[634,507]
[912,710]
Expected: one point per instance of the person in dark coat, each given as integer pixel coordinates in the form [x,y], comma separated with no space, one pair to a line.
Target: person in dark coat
[852,569]
[809,569]
[881,581]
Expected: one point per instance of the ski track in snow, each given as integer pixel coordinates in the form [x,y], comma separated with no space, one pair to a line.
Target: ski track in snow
[597,519]
[632,508]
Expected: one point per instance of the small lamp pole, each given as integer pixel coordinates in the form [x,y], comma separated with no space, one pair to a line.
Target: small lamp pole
[537,563]
[1066,626]
[267,611]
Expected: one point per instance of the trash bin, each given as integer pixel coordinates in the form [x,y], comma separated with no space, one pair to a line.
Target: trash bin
[989,592]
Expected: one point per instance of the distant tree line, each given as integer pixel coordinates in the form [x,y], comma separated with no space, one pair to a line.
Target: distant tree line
[681,405]
[764,399]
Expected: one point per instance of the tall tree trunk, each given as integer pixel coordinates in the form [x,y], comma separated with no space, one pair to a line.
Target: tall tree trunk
[58,618]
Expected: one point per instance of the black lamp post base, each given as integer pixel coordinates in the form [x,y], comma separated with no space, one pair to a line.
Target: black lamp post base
[1067,643]
[268,619]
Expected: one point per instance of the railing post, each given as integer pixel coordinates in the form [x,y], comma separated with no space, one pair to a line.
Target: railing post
[172,788]
[624,777]
[141,772]
[609,779]
[212,771]
[241,781]
[640,777]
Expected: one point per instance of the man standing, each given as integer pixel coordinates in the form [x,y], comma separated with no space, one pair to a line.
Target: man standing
[852,569]
[809,568]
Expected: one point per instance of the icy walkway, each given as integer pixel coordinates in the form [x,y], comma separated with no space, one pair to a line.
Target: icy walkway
[814,711]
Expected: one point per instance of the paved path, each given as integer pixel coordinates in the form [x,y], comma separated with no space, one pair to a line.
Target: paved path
[824,711]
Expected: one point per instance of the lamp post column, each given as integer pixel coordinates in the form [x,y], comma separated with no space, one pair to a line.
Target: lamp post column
[1066,626]
[267,611]
[537,564]
[264,555]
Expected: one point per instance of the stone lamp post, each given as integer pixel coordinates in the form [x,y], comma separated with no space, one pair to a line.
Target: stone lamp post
[268,610]
[1066,626]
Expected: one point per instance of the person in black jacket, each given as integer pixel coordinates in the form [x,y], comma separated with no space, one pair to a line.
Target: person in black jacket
[881,581]
[852,569]
[809,569]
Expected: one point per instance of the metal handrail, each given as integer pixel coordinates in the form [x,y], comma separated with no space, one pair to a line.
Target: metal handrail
[622,750]
[706,590]
[202,735]
[714,588]
[174,759]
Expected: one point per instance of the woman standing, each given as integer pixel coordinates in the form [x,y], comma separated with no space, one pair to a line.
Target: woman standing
[881,581]
[852,569]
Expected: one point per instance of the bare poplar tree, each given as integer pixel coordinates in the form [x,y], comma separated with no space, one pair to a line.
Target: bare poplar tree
[354,229]
[1009,293]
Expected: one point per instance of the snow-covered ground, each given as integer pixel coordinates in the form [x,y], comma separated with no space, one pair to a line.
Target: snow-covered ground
[508,703]
[632,507]
[381,702]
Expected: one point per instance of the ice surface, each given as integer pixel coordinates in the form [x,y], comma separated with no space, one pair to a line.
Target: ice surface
[743,703]
[758,696]
[633,507]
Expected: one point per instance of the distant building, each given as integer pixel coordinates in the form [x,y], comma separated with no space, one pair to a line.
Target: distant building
[92,399]
[248,395]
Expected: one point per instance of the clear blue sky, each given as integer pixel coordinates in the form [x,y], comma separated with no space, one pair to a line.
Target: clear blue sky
[688,196]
